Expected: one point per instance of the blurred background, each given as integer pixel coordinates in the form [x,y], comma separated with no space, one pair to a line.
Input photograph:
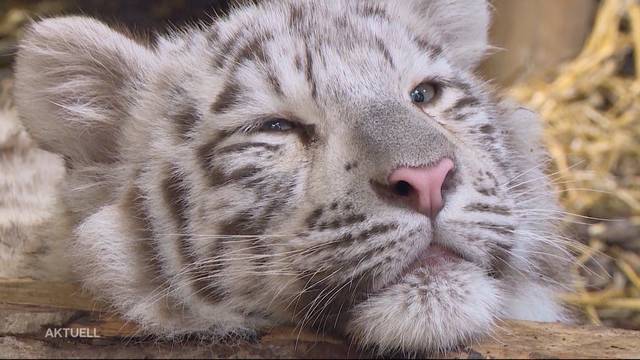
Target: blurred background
[573,61]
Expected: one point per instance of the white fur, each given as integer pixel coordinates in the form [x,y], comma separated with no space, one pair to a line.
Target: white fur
[34,229]
[242,221]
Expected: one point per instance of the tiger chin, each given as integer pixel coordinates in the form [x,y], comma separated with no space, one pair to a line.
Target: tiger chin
[336,165]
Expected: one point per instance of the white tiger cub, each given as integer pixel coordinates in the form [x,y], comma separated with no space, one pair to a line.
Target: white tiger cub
[334,164]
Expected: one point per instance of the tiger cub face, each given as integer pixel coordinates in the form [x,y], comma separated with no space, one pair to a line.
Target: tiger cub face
[335,164]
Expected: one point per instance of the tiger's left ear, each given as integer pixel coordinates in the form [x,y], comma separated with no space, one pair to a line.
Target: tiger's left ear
[458,27]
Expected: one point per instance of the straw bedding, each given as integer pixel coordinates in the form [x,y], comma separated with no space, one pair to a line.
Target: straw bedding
[591,111]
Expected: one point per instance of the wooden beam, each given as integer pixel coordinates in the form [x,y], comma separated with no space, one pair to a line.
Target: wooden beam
[30,313]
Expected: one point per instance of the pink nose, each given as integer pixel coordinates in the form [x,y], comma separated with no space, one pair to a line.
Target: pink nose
[423,185]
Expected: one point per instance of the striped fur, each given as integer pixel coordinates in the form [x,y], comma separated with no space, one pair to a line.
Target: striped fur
[213,216]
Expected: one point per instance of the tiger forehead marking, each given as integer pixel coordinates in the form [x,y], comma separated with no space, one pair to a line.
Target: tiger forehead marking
[335,164]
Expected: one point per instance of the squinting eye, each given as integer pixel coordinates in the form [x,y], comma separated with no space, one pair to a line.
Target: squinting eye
[277,125]
[423,93]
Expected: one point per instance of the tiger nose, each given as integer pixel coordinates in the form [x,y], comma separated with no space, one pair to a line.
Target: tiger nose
[422,185]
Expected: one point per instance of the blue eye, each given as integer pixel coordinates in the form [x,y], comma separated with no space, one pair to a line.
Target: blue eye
[423,93]
[277,125]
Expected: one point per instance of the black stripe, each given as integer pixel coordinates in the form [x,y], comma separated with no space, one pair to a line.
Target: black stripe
[500,229]
[253,51]
[183,112]
[298,63]
[227,98]
[432,50]
[296,16]
[309,73]
[370,10]
[385,52]
[206,152]
[496,209]
[466,101]
[377,229]
[137,214]
[487,129]
[175,195]
[275,83]
[312,219]
[244,223]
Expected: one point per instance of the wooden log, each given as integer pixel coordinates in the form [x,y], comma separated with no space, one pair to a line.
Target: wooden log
[57,320]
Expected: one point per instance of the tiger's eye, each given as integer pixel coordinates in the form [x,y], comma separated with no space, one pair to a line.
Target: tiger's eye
[277,125]
[423,93]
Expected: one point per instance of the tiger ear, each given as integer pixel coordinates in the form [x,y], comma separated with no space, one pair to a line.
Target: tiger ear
[75,81]
[458,27]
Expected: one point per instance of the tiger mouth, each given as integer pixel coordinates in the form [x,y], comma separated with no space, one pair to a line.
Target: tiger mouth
[432,256]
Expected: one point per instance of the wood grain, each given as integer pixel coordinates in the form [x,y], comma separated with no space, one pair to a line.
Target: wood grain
[35,308]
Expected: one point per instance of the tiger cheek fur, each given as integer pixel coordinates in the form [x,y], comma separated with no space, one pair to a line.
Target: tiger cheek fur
[235,176]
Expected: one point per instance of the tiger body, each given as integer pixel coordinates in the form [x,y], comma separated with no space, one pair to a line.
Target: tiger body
[234,176]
